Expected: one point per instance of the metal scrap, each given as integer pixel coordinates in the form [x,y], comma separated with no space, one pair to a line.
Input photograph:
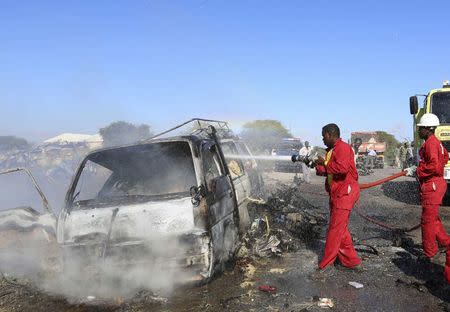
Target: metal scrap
[267,247]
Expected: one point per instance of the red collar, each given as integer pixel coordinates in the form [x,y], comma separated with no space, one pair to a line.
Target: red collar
[339,141]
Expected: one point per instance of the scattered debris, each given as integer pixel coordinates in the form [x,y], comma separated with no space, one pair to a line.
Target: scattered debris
[413,284]
[267,247]
[250,271]
[268,288]
[325,303]
[356,285]
[267,226]
[258,201]
[225,302]
[256,225]
[277,270]
[242,252]
[395,249]
[158,299]
[247,284]
[294,217]
[245,267]
[366,248]
[287,215]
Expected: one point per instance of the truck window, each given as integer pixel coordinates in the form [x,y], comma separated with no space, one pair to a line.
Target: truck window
[211,167]
[92,179]
[440,106]
[232,159]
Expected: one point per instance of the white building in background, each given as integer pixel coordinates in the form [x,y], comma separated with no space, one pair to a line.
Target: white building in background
[92,141]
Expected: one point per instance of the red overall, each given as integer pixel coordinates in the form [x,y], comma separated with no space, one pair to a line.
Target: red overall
[342,186]
[433,157]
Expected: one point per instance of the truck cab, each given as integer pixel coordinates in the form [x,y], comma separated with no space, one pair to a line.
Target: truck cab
[437,101]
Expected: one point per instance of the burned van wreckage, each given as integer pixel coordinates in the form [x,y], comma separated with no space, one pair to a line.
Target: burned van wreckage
[171,201]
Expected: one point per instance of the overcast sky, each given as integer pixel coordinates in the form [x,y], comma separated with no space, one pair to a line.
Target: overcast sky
[75,66]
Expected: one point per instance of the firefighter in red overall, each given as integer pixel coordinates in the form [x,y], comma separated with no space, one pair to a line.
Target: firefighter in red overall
[341,183]
[430,172]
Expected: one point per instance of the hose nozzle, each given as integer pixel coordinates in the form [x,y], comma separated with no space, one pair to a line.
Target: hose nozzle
[308,160]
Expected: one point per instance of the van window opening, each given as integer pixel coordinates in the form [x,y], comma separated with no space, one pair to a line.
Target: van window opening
[137,172]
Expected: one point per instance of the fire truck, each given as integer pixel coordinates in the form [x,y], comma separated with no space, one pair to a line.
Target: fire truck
[437,101]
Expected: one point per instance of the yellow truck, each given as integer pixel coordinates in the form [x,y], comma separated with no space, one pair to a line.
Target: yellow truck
[437,101]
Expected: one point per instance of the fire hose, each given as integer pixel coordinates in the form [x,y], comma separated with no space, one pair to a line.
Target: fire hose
[364,186]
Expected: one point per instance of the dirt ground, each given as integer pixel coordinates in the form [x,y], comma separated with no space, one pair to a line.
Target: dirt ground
[392,279]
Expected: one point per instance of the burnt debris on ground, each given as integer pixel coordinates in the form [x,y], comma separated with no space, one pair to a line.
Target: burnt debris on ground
[286,222]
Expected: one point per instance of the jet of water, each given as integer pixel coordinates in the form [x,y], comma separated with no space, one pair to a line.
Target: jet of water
[259,157]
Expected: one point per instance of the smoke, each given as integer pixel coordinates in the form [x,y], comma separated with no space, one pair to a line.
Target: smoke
[28,253]
[145,249]
[52,166]
[87,275]
[78,276]
[17,190]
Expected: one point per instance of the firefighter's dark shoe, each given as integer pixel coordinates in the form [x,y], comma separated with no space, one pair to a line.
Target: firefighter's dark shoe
[321,274]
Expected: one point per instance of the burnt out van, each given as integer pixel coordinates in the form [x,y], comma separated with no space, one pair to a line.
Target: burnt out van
[172,200]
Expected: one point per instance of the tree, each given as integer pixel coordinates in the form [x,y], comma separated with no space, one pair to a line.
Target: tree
[263,135]
[391,144]
[122,132]
[8,143]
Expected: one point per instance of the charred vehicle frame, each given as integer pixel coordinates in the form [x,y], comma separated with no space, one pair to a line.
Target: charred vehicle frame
[178,191]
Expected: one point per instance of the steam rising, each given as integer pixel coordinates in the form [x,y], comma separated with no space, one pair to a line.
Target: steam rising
[143,249]
[78,276]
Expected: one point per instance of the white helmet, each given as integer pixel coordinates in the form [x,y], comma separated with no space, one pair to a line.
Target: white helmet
[428,120]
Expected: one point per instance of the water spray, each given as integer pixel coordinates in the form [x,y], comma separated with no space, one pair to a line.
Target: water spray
[260,157]
[308,160]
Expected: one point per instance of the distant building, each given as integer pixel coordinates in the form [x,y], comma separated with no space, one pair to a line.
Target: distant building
[92,141]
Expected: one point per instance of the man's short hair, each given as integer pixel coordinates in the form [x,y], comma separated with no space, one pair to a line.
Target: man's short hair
[332,129]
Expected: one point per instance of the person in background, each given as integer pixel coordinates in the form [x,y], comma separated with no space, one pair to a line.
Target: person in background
[306,152]
[430,172]
[371,156]
[402,156]
[397,157]
[409,155]
[356,146]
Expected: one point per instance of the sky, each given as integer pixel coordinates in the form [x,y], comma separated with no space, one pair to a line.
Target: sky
[76,66]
